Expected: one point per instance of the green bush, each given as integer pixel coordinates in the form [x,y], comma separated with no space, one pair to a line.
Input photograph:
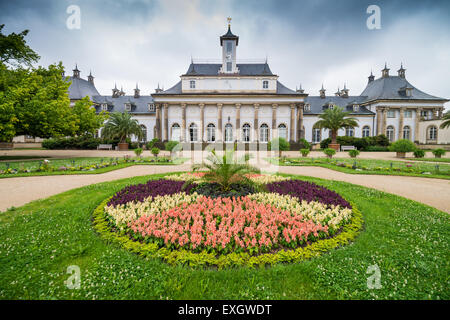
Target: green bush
[419,153]
[329,152]
[155,151]
[80,142]
[353,153]
[138,151]
[403,145]
[151,144]
[438,153]
[363,144]
[170,145]
[279,144]
[304,144]
[304,152]
[377,148]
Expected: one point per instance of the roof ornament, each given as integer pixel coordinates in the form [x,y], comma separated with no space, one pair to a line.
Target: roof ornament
[300,90]
[137,92]
[115,91]
[338,92]
[371,77]
[385,71]
[401,71]
[90,77]
[322,92]
[76,72]
[229,21]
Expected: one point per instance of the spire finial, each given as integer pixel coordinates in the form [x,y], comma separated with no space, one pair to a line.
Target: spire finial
[229,21]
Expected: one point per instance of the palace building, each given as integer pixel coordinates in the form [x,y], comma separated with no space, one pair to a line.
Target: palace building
[229,102]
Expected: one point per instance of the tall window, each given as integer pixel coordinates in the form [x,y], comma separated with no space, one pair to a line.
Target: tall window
[350,132]
[265,84]
[366,131]
[151,107]
[390,133]
[104,107]
[127,106]
[246,132]
[193,132]
[391,114]
[144,133]
[316,135]
[432,133]
[407,132]
[282,131]
[229,66]
[229,47]
[176,132]
[228,132]
[264,133]
[192,84]
[408,114]
[211,132]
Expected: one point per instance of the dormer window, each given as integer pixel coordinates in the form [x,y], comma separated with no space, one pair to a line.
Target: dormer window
[192,84]
[104,107]
[355,108]
[307,107]
[151,107]
[128,106]
[265,84]
[330,106]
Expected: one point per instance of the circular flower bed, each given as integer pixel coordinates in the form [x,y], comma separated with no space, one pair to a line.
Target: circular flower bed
[276,219]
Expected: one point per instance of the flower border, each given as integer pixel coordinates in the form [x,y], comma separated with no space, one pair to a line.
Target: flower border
[204,259]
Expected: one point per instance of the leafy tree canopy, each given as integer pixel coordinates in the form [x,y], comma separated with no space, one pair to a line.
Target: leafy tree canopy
[14,51]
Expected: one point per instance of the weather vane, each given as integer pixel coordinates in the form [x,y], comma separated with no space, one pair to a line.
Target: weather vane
[229,21]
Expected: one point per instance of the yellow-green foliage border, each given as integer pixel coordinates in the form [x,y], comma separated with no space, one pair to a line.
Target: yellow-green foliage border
[185,257]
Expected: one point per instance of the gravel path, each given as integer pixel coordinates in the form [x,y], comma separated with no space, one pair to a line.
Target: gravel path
[19,191]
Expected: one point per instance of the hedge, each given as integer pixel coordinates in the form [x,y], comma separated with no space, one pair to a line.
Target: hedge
[362,144]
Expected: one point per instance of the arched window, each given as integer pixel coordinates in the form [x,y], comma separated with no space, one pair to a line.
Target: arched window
[193,132]
[228,132]
[282,131]
[390,133]
[432,133]
[246,132]
[264,133]
[407,132]
[366,131]
[211,132]
[144,133]
[176,132]
[350,132]
[316,135]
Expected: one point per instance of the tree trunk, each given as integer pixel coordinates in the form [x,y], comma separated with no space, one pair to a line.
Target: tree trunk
[334,137]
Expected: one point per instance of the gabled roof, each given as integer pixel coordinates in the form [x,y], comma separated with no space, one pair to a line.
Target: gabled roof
[245,69]
[80,88]
[389,88]
[318,104]
[138,105]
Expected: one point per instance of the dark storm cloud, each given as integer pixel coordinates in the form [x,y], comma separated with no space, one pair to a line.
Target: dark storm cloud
[310,42]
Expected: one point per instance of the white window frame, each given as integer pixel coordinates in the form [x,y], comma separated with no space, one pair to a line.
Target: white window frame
[316,135]
[282,131]
[390,133]
[349,132]
[408,114]
[366,131]
[175,134]
[211,132]
[406,133]
[246,132]
[192,84]
[391,114]
[264,133]
[151,107]
[228,132]
[265,84]
[432,133]
[193,132]
[104,107]
[127,107]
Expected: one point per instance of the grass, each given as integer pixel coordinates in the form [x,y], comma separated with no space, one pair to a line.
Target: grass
[12,158]
[75,162]
[447,160]
[371,166]
[408,241]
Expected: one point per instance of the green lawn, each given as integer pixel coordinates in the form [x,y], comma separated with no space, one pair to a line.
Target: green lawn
[408,241]
[371,166]
[14,158]
[447,160]
[55,164]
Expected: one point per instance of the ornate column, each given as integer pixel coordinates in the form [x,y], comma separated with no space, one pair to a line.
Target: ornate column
[441,110]
[274,121]
[292,124]
[166,122]
[158,121]
[435,113]
[202,121]
[300,133]
[379,121]
[416,124]
[219,122]
[384,120]
[256,123]
[400,123]
[238,122]
[183,122]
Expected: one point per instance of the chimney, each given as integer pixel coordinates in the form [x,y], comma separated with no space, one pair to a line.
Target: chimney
[137,92]
[90,77]
[76,72]
[322,92]
[401,71]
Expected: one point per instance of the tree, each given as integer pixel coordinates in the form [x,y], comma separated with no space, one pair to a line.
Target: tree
[446,119]
[334,119]
[279,144]
[121,126]
[402,146]
[88,122]
[14,51]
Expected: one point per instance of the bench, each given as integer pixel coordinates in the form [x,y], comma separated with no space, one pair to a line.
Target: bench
[347,148]
[104,147]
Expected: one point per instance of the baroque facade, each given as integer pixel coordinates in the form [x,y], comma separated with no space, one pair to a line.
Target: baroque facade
[229,102]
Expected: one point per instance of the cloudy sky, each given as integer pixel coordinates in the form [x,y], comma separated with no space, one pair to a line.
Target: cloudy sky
[308,42]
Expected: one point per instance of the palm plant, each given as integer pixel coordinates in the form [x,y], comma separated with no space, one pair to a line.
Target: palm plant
[226,170]
[446,122]
[334,119]
[121,126]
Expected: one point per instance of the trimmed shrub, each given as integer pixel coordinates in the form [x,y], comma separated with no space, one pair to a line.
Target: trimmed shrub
[363,144]
[138,151]
[155,151]
[329,152]
[279,144]
[403,145]
[304,144]
[170,145]
[353,153]
[304,152]
[419,153]
[81,142]
[438,153]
